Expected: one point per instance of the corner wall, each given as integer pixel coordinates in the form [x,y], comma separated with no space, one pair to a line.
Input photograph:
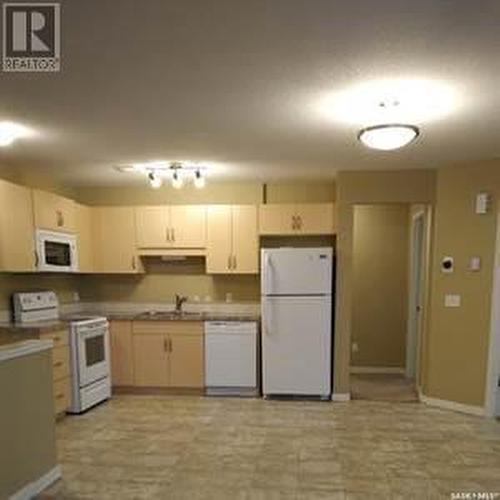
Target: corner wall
[458,339]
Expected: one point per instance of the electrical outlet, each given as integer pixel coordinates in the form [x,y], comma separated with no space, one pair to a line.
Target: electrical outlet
[354,347]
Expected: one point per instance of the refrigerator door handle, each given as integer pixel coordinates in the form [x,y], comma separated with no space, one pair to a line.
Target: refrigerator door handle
[268,266]
[267,318]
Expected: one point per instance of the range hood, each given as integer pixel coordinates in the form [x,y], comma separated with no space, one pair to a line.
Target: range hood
[172,254]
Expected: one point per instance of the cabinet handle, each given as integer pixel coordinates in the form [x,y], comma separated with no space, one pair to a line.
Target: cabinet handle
[167,231]
[60,396]
[173,234]
[133,262]
[235,263]
[36,260]
[300,222]
[229,262]
[56,339]
[58,364]
[294,222]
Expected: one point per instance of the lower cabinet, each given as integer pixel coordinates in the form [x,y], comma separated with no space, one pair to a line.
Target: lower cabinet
[60,369]
[122,353]
[168,354]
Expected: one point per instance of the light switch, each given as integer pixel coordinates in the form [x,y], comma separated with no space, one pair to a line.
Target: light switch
[475,264]
[452,300]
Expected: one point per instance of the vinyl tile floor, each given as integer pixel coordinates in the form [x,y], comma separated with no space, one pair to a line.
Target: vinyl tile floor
[186,447]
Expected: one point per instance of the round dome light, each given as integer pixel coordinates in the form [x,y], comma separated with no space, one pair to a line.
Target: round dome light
[387,137]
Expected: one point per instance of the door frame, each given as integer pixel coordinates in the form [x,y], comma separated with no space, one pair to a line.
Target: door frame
[492,396]
[417,289]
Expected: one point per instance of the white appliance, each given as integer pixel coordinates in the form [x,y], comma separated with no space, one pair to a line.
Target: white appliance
[56,251]
[35,306]
[296,286]
[88,343]
[90,362]
[231,357]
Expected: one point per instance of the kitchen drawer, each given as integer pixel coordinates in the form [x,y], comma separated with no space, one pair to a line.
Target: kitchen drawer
[62,394]
[60,362]
[149,327]
[162,327]
[59,337]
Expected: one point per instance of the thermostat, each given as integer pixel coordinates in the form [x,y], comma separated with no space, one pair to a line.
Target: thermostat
[447,264]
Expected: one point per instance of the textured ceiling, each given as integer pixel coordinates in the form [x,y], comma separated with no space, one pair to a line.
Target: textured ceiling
[238,82]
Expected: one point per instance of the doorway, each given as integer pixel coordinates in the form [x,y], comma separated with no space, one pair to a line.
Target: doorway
[493,376]
[390,262]
[416,295]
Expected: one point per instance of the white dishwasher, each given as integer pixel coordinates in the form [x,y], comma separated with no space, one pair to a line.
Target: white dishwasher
[231,358]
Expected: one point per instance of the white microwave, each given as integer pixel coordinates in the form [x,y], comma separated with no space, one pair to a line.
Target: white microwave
[56,252]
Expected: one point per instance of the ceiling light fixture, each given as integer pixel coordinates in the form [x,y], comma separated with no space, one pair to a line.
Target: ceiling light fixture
[388,136]
[10,131]
[199,180]
[155,180]
[177,180]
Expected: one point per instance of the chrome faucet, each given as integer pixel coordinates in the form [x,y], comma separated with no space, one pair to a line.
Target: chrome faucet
[179,300]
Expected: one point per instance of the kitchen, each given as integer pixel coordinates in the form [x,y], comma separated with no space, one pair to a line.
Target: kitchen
[249,250]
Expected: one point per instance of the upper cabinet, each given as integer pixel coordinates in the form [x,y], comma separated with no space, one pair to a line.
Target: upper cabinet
[17,244]
[297,219]
[176,226]
[85,240]
[54,212]
[113,235]
[232,239]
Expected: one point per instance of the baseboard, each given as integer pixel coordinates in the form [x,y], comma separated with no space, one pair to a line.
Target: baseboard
[34,488]
[341,397]
[452,405]
[377,369]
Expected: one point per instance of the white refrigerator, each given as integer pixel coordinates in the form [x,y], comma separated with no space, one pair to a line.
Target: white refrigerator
[296,306]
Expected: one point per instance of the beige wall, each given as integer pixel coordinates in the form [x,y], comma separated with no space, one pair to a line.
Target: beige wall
[163,280]
[64,285]
[27,427]
[227,193]
[301,192]
[380,285]
[409,186]
[458,339]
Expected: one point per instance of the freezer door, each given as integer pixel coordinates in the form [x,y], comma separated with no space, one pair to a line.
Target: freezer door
[296,345]
[296,271]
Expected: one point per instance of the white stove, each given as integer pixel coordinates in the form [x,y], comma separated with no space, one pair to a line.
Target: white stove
[89,347]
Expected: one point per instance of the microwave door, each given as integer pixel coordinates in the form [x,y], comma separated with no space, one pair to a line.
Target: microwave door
[57,254]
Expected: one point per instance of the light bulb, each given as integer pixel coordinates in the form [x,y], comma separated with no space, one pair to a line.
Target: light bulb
[177,181]
[154,180]
[199,180]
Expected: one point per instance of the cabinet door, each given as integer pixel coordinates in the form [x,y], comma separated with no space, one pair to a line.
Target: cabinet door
[245,239]
[84,233]
[114,240]
[150,360]
[186,360]
[219,239]
[316,218]
[122,358]
[53,211]
[152,224]
[17,243]
[188,226]
[277,219]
